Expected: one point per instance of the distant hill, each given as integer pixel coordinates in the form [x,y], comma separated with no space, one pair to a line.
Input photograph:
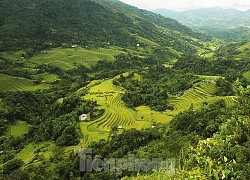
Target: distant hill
[44,23]
[214,21]
[235,51]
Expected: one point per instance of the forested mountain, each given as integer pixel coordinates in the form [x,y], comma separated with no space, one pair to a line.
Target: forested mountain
[227,24]
[29,23]
[236,51]
[104,75]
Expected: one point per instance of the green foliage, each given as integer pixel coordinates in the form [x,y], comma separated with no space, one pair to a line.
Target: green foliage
[66,23]
[69,58]
[227,67]
[12,165]
[224,87]
[229,25]
[215,157]
[10,83]
[153,88]
[207,139]
[204,122]
[120,144]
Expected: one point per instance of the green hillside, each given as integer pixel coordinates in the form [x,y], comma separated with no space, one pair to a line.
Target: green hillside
[122,82]
[18,129]
[10,83]
[230,25]
[112,24]
[68,58]
[237,51]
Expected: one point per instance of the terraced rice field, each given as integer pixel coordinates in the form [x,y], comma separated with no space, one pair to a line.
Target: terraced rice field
[116,113]
[27,154]
[18,129]
[68,58]
[10,83]
[206,88]
[196,97]
[13,56]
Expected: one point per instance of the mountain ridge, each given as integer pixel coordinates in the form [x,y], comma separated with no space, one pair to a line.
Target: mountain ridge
[214,21]
[85,22]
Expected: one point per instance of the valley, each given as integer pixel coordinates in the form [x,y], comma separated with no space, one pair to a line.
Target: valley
[120,80]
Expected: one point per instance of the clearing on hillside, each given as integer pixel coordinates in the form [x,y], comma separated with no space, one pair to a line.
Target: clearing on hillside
[10,83]
[46,77]
[115,112]
[18,129]
[28,153]
[68,58]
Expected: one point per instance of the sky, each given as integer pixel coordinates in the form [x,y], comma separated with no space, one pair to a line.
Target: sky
[181,5]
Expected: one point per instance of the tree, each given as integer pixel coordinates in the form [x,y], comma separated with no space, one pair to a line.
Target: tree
[12,165]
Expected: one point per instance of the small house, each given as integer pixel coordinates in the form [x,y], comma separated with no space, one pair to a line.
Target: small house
[120,127]
[83,117]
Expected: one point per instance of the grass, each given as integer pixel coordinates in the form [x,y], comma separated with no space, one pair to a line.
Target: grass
[68,58]
[247,76]
[146,114]
[13,56]
[47,78]
[144,40]
[18,129]
[243,51]
[29,152]
[209,77]
[207,87]
[10,83]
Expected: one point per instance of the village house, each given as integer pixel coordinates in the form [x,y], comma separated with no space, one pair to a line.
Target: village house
[120,127]
[83,117]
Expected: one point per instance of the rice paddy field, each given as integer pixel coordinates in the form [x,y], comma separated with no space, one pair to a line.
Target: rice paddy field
[116,113]
[10,83]
[68,58]
[18,129]
[13,56]
[32,151]
[195,98]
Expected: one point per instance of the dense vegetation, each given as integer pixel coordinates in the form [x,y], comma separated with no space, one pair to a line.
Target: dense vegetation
[156,84]
[230,25]
[149,86]
[42,24]
[227,130]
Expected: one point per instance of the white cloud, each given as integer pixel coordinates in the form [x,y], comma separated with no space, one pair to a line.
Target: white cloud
[180,5]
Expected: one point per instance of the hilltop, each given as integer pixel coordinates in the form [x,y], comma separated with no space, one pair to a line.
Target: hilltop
[227,24]
[42,24]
